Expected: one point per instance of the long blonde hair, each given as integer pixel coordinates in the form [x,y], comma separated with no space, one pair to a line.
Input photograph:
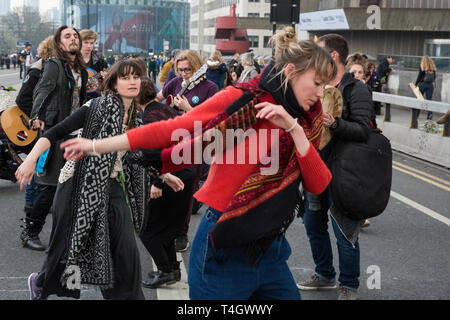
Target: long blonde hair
[303,54]
[427,64]
[194,59]
[45,48]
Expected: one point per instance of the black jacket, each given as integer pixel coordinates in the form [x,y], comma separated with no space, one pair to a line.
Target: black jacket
[52,104]
[24,98]
[357,111]
[383,68]
[53,93]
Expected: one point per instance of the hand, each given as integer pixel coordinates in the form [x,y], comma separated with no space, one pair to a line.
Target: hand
[328,120]
[25,172]
[234,76]
[155,193]
[174,182]
[38,124]
[182,103]
[276,114]
[76,148]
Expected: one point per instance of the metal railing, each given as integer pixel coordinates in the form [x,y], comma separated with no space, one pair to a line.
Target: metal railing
[403,62]
[414,104]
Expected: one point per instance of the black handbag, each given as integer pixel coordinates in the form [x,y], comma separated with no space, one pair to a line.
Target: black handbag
[362,175]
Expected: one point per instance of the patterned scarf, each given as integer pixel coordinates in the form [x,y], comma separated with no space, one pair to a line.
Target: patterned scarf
[89,258]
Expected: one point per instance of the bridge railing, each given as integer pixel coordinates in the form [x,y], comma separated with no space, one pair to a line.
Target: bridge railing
[415,105]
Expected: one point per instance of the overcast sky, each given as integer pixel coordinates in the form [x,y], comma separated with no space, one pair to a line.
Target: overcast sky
[44,4]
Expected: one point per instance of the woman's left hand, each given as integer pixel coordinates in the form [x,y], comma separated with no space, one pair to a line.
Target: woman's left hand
[275,114]
[174,182]
[328,120]
[182,103]
[25,172]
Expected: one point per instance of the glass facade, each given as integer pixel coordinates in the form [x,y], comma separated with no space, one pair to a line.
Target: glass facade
[131,26]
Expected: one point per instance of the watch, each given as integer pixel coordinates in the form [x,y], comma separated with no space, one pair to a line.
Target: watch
[334,125]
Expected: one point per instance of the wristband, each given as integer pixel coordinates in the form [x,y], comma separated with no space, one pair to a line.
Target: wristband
[293,126]
[94,153]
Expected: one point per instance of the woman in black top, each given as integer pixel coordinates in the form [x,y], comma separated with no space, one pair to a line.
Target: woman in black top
[92,240]
[425,80]
[167,208]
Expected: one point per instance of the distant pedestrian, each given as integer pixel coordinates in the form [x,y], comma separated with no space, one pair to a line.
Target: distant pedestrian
[14,61]
[383,71]
[426,80]
[217,70]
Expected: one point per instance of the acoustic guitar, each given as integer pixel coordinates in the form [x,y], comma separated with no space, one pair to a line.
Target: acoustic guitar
[16,125]
[193,81]
[94,82]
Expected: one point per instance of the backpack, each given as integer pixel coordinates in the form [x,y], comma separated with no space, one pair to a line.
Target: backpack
[362,174]
[429,77]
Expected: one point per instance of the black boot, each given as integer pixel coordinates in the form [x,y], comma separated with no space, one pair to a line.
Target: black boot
[30,234]
[160,279]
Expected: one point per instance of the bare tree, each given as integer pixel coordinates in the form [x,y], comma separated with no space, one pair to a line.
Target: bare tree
[25,23]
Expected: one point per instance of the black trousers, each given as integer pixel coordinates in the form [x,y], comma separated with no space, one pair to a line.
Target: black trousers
[166,216]
[43,203]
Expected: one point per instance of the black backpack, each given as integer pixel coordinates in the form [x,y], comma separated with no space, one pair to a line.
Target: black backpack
[362,174]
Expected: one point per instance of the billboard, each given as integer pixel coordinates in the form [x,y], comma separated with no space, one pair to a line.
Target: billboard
[133,28]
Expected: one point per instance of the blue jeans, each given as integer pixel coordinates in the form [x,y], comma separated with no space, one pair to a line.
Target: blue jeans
[427,90]
[226,274]
[316,224]
[32,191]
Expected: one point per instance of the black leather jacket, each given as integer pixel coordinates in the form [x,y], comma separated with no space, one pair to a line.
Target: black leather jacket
[53,93]
[53,103]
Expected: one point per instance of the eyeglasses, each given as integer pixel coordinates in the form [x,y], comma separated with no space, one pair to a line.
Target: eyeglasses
[185,70]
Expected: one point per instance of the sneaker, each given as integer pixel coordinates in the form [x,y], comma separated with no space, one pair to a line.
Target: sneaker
[366,224]
[181,244]
[316,283]
[35,291]
[347,294]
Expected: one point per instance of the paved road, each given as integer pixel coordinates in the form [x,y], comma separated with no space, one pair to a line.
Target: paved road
[408,244]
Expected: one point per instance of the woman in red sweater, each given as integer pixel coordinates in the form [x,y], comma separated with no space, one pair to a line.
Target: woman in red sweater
[240,251]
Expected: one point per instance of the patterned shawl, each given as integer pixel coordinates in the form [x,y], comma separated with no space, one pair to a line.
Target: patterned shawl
[89,254]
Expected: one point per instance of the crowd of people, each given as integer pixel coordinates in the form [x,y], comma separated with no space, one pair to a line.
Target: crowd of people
[109,136]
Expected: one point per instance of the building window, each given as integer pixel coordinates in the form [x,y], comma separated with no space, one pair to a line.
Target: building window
[266,41]
[366,3]
[254,1]
[254,41]
[253,15]
[266,15]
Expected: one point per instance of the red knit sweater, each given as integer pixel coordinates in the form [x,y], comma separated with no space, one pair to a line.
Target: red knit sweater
[224,180]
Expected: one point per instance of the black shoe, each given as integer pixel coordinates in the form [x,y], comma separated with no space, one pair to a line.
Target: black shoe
[181,244]
[160,279]
[176,272]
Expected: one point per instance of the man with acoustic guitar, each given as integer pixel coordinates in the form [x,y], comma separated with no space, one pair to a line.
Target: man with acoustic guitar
[96,66]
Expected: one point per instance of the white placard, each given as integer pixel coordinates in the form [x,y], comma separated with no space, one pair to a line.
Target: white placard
[324,20]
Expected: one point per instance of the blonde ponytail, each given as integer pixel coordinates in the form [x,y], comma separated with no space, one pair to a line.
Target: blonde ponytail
[303,54]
